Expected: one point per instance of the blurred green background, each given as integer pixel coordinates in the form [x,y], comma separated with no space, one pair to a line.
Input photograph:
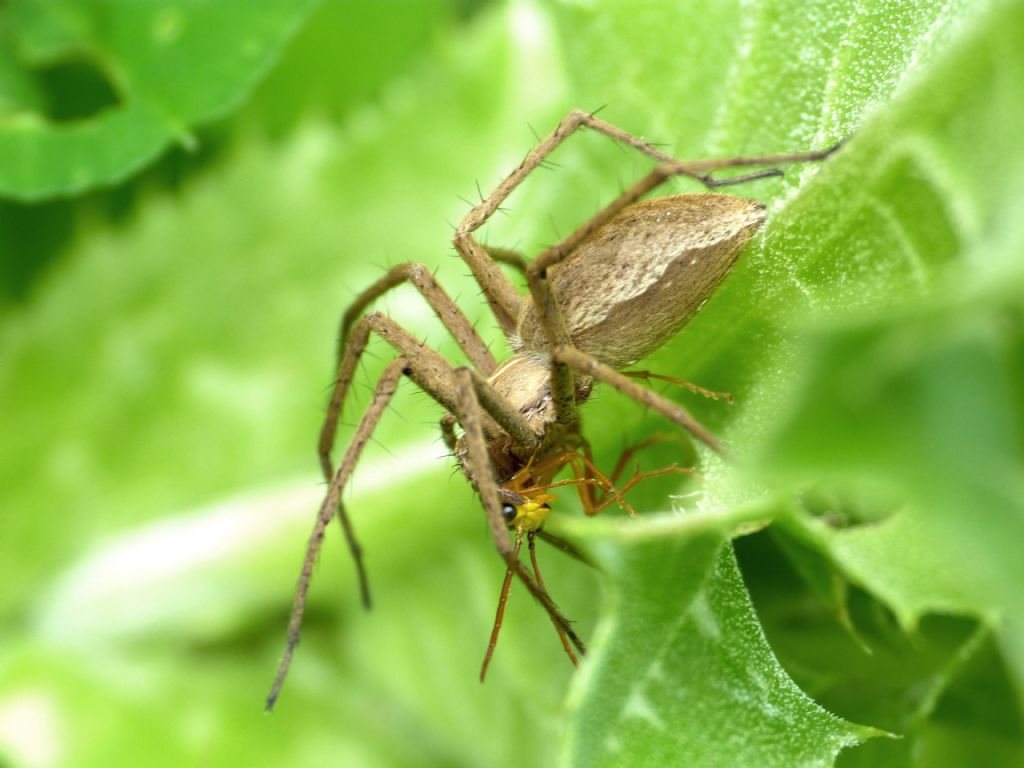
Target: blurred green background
[190,194]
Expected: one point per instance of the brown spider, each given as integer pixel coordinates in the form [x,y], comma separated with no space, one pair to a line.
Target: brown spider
[606,296]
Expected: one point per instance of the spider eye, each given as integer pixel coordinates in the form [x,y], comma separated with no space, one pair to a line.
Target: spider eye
[508,512]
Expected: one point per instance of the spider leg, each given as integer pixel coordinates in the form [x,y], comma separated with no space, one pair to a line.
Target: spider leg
[435,376]
[448,432]
[669,168]
[576,119]
[695,388]
[640,477]
[383,392]
[631,450]
[591,366]
[469,413]
[501,294]
[507,256]
[431,372]
[447,311]
[352,339]
[590,477]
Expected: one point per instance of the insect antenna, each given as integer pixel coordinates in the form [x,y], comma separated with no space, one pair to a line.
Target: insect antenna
[568,548]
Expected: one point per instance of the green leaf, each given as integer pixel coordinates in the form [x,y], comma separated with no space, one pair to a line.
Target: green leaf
[170,65]
[924,403]
[681,666]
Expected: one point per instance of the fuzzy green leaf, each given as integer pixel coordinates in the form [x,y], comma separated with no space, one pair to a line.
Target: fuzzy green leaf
[681,666]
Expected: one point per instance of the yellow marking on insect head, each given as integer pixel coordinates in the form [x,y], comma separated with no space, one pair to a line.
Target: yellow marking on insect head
[530,515]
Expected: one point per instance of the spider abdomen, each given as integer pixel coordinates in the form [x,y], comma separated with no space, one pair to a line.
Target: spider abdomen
[641,277]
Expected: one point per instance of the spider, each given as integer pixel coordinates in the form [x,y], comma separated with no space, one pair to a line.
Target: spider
[606,296]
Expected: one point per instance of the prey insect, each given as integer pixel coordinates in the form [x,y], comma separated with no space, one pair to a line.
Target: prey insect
[604,297]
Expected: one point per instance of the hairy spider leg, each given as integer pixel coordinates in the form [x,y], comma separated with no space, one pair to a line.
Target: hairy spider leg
[451,316]
[591,366]
[383,392]
[448,435]
[435,376]
[447,311]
